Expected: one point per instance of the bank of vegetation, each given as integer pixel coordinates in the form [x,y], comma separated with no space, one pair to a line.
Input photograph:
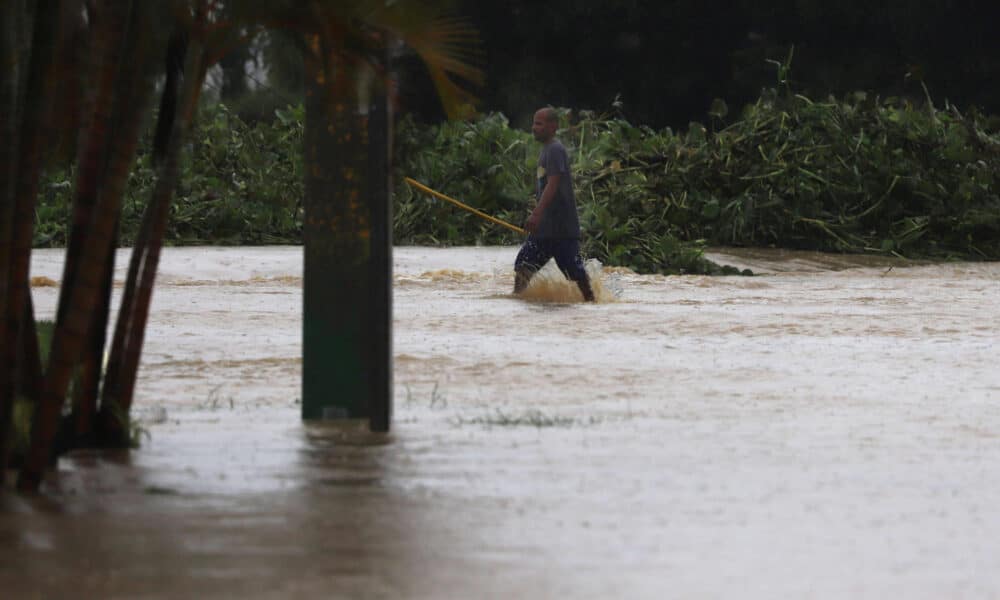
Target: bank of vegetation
[859,174]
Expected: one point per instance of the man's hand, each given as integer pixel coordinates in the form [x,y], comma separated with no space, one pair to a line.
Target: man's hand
[551,185]
[531,224]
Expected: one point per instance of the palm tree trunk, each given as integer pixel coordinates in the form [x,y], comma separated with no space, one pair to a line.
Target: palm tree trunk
[92,162]
[119,393]
[110,429]
[93,153]
[32,136]
[9,72]
[86,392]
[111,393]
[134,86]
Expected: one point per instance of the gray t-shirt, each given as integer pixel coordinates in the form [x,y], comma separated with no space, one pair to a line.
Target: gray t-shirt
[560,220]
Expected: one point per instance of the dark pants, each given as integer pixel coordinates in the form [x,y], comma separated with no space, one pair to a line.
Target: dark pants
[536,252]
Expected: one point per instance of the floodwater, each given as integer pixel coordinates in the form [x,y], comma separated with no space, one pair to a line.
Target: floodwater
[827,429]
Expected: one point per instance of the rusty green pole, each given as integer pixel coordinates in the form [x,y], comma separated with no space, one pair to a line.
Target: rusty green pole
[347,246]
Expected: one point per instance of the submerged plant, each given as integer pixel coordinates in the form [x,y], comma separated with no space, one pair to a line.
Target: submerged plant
[528,418]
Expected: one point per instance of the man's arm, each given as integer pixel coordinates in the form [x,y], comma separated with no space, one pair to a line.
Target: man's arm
[551,186]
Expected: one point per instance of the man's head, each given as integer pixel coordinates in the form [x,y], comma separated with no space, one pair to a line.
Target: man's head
[544,125]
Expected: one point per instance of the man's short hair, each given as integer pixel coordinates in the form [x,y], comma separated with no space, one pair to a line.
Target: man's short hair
[550,114]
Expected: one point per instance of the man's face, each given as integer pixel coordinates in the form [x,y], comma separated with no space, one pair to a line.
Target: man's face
[542,128]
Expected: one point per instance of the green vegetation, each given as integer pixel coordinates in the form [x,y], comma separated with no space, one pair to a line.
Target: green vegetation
[240,184]
[856,175]
[859,174]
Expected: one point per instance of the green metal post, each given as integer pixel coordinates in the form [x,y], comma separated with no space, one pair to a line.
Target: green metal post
[346,372]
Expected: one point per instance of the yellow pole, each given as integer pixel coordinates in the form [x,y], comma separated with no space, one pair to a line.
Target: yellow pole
[428,190]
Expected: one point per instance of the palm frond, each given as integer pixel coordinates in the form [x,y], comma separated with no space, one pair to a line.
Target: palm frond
[353,32]
[448,46]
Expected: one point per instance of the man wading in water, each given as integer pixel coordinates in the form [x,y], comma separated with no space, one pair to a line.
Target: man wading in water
[553,227]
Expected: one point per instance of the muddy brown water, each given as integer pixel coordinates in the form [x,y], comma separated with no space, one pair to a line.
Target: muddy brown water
[830,428]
